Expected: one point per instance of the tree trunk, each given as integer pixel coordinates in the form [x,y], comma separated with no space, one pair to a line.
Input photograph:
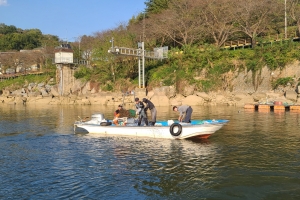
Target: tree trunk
[253,42]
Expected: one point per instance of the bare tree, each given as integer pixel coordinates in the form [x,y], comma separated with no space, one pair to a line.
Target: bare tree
[293,7]
[7,60]
[28,58]
[253,16]
[182,22]
[219,19]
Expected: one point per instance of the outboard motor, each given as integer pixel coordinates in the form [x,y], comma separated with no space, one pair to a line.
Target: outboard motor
[98,119]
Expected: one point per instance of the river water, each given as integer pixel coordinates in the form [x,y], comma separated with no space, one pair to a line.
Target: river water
[255,156]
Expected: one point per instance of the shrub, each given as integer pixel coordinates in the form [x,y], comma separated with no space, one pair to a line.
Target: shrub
[282,81]
[84,73]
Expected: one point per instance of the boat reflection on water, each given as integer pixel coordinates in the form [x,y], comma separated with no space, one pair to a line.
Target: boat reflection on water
[158,166]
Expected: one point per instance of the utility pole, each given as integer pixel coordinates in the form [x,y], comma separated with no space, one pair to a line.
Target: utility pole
[158,53]
[79,48]
[285,21]
[112,43]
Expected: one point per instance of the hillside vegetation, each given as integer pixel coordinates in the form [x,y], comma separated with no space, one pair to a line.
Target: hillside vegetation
[196,32]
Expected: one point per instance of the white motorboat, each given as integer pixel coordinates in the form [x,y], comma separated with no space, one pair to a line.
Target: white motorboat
[163,129]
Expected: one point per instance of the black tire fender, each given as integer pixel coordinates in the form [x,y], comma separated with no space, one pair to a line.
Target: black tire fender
[174,126]
[105,123]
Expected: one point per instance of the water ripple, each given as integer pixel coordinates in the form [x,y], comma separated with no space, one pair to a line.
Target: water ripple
[255,156]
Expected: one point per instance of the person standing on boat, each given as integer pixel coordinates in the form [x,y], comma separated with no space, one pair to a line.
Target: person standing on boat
[140,110]
[151,107]
[184,110]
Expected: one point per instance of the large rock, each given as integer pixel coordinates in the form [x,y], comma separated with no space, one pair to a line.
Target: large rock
[33,94]
[259,96]
[193,100]
[2,99]
[220,99]
[93,91]
[291,95]
[17,93]
[188,90]
[177,100]
[246,98]
[241,99]
[5,93]
[168,91]
[44,92]
[140,92]
[150,94]
[172,92]
[204,96]
[298,89]
[160,100]
[54,92]
[78,86]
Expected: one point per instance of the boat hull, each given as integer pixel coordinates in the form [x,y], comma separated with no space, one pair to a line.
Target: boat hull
[187,131]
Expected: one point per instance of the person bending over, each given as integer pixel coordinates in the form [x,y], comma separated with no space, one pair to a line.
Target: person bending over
[184,110]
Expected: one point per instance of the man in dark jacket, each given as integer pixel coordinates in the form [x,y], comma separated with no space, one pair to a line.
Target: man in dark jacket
[152,109]
[140,111]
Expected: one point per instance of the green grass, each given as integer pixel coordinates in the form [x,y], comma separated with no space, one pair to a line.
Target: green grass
[23,81]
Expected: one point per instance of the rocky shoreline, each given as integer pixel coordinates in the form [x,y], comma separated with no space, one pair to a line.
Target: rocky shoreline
[162,96]
[238,90]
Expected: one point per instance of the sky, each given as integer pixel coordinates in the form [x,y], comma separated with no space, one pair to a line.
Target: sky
[69,19]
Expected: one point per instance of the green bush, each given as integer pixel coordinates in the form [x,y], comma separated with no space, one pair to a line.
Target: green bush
[21,81]
[108,87]
[83,73]
[282,81]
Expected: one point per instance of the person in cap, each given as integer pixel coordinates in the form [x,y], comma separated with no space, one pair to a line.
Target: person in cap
[184,110]
[140,111]
[151,107]
[118,110]
[123,112]
[120,113]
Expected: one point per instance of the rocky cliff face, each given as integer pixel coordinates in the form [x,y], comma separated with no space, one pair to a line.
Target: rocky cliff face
[238,88]
[248,82]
